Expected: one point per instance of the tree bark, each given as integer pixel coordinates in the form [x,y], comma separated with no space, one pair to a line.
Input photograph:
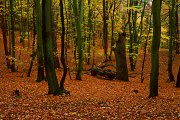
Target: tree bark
[53,86]
[156,10]
[40,60]
[33,55]
[178,79]
[62,48]
[177,29]
[78,20]
[105,30]
[172,38]
[13,66]
[120,55]
[54,40]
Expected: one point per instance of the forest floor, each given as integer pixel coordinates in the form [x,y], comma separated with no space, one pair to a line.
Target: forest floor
[90,99]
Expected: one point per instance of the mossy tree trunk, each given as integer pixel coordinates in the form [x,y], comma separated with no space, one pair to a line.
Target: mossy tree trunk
[40,60]
[156,10]
[112,28]
[90,28]
[53,87]
[78,13]
[120,55]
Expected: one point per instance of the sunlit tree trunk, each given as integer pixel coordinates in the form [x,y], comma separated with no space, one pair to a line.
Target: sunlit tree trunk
[112,28]
[156,10]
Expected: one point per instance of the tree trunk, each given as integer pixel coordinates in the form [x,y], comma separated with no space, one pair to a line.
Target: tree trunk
[40,60]
[33,55]
[62,49]
[53,87]
[177,29]
[105,29]
[172,38]
[3,28]
[145,47]
[156,10]
[120,55]
[178,79]
[112,29]
[78,20]
[13,69]
[54,40]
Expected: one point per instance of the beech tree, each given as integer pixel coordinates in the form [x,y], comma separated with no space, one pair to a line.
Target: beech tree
[13,66]
[156,10]
[120,55]
[78,13]
[172,38]
[40,59]
[53,87]
[178,78]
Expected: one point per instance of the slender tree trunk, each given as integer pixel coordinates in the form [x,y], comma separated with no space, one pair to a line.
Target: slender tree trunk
[13,66]
[145,47]
[90,12]
[28,25]
[177,29]
[105,31]
[33,55]
[172,38]
[40,60]
[78,20]
[133,49]
[62,90]
[156,10]
[120,55]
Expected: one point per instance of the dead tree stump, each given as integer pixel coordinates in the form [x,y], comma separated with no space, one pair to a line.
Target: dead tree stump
[120,55]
